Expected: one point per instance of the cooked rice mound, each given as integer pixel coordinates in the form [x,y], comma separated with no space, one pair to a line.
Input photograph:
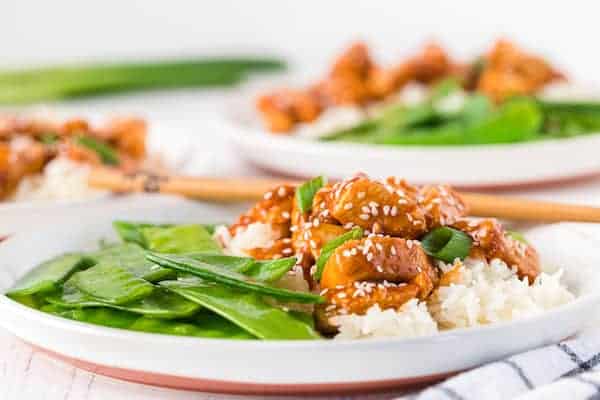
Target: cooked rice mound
[255,235]
[486,293]
[61,179]
[413,319]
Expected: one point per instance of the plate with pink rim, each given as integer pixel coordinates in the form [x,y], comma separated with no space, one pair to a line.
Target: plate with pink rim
[278,367]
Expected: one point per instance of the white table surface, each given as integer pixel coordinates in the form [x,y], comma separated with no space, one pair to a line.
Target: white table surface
[26,374]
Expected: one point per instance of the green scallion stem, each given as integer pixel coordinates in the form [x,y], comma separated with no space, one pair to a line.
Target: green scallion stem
[306,192]
[447,244]
[329,248]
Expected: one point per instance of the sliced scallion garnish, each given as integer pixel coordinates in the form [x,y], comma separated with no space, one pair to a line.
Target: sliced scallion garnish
[447,244]
[106,154]
[306,192]
[518,236]
[330,247]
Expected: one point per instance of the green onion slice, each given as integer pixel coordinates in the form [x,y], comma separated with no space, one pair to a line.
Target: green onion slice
[333,244]
[306,192]
[447,244]
[106,154]
[518,236]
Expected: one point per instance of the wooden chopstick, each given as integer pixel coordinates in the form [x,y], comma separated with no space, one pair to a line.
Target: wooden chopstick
[249,189]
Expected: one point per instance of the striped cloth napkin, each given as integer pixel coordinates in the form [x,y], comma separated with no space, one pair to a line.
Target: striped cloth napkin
[566,370]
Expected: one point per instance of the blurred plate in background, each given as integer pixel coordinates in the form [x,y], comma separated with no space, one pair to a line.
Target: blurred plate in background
[482,166]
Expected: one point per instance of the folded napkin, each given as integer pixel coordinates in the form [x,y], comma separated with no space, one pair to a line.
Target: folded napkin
[566,370]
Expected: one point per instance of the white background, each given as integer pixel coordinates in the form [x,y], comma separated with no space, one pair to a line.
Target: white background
[307,31]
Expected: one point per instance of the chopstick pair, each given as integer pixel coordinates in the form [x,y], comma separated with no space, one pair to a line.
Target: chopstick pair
[248,189]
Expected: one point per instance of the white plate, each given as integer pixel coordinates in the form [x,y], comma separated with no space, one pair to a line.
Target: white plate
[485,166]
[172,141]
[278,366]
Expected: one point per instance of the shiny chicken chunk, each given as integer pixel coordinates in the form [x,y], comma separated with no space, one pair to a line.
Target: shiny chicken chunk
[279,249]
[275,209]
[491,241]
[432,64]
[128,135]
[442,205]
[509,71]
[358,298]
[286,107]
[377,270]
[377,207]
[380,258]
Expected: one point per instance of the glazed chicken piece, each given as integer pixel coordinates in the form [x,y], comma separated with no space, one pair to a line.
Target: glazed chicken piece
[72,127]
[509,71]
[432,64]
[358,298]
[4,165]
[377,207]
[354,62]
[375,270]
[379,258]
[320,206]
[442,205]
[75,152]
[310,231]
[21,158]
[347,80]
[491,241]
[279,249]
[274,209]
[7,127]
[308,241]
[383,82]
[128,135]
[27,157]
[284,108]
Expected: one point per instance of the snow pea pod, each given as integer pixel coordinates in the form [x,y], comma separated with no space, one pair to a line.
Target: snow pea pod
[261,270]
[204,324]
[48,275]
[245,309]
[111,283]
[234,263]
[215,273]
[180,239]
[131,232]
[270,270]
[97,315]
[133,258]
[160,304]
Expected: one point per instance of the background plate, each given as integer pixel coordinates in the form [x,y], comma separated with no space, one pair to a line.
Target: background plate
[484,166]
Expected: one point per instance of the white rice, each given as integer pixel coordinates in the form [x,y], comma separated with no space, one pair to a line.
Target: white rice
[411,320]
[489,293]
[61,179]
[486,293]
[294,280]
[253,236]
